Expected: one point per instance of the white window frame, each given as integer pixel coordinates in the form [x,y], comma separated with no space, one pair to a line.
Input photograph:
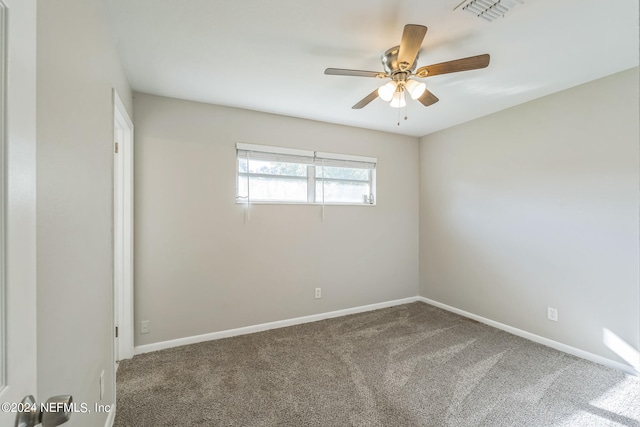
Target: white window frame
[313,159]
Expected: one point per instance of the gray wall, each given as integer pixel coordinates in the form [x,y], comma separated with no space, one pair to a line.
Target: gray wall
[77,68]
[537,206]
[200,268]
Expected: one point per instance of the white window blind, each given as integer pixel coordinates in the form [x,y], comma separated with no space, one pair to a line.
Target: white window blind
[286,175]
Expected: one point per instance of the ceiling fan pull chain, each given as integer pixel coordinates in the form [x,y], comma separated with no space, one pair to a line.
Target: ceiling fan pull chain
[406,113]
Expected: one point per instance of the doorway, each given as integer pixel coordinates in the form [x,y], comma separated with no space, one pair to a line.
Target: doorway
[18,286]
[122,231]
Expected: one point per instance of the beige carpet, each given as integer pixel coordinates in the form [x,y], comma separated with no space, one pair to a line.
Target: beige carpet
[411,365]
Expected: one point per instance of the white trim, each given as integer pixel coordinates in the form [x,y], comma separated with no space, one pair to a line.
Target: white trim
[19,203]
[272,149]
[111,418]
[147,348]
[119,106]
[346,157]
[304,153]
[3,195]
[125,302]
[273,202]
[267,326]
[536,338]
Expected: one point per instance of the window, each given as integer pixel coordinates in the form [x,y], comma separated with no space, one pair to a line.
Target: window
[284,175]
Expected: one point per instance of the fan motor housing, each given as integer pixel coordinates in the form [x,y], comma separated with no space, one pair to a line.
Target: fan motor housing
[390,61]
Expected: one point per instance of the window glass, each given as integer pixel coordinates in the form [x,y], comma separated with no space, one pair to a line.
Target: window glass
[342,173]
[272,168]
[272,174]
[342,192]
[266,189]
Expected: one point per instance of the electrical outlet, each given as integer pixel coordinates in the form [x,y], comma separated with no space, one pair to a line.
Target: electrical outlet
[144,327]
[318,293]
[101,385]
[552,314]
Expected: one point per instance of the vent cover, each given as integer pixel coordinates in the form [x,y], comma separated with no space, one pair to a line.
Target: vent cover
[490,10]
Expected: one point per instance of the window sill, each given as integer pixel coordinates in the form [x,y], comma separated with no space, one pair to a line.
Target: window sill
[305,203]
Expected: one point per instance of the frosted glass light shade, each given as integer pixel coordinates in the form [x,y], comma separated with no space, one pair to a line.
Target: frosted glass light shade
[416,89]
[386,91]
[398,101]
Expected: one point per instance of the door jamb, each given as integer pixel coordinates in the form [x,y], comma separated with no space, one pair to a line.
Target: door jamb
[123,291]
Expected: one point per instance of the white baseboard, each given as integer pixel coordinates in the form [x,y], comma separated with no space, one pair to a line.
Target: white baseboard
[536,338]
[111,418]
[266,326]
[361,309]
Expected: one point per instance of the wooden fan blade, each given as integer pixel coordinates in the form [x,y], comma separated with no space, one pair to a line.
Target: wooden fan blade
[412,38]
[427,98]
[355,73]
[366,100]
[464,64]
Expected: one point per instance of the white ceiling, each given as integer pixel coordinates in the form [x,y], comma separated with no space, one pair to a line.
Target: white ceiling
[270,55]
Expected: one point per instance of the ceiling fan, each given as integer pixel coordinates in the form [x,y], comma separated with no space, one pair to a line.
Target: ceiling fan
[400,63]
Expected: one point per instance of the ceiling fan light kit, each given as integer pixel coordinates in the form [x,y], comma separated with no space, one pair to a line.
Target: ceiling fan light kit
[399,65]
[398,101]
[415,88]
[393,92]
[385,92]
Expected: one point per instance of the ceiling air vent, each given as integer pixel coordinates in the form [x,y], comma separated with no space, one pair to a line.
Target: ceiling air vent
[489,9]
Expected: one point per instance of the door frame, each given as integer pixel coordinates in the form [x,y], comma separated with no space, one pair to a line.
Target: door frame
[123,231]
[18,219]
[3,199]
